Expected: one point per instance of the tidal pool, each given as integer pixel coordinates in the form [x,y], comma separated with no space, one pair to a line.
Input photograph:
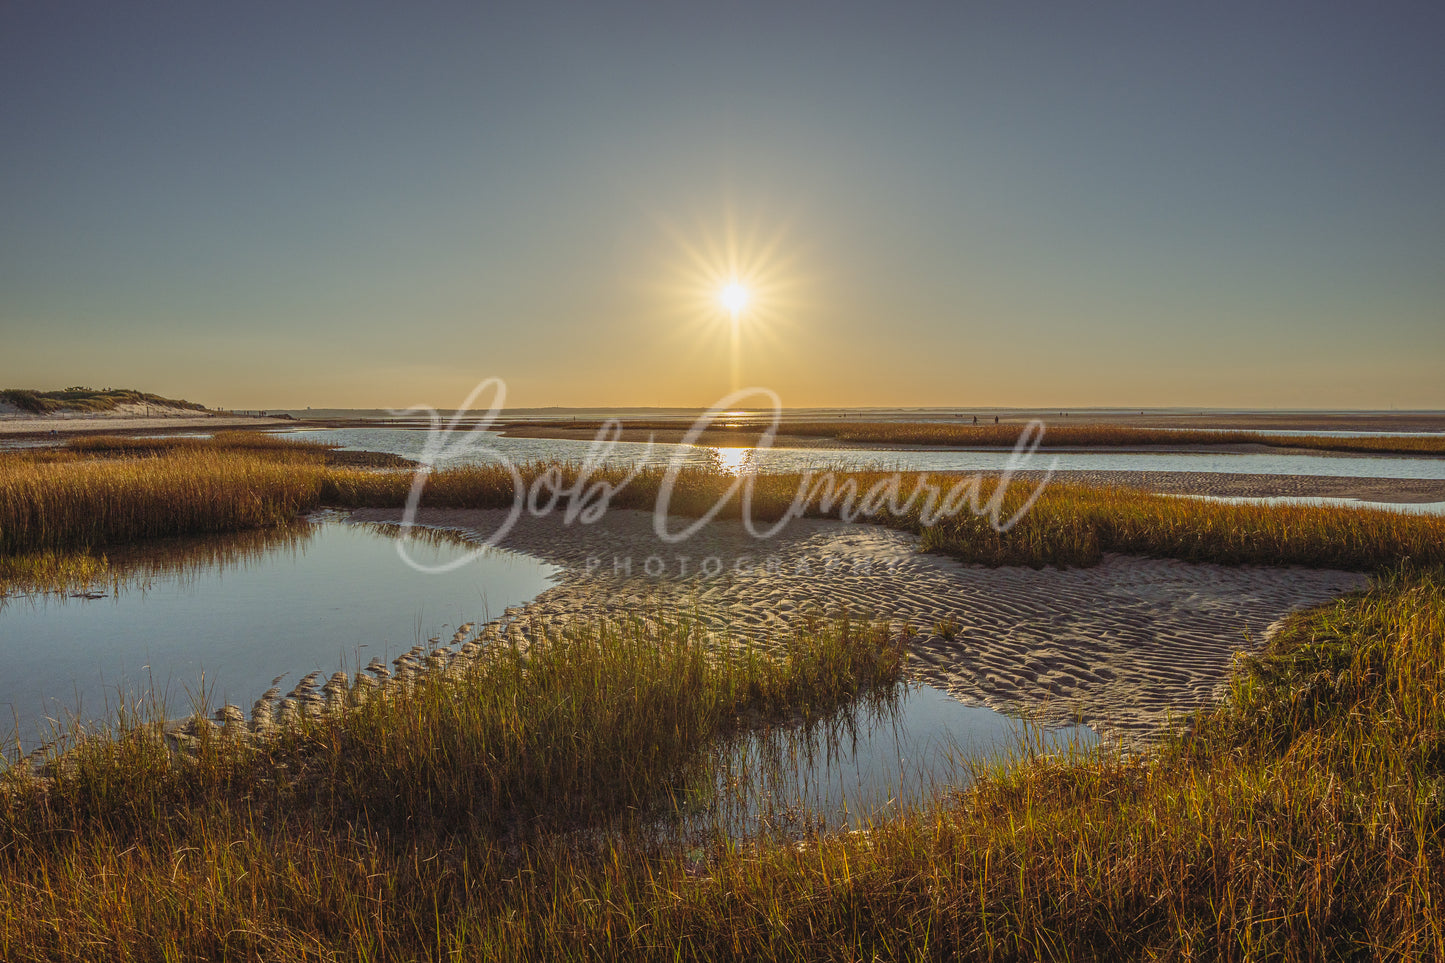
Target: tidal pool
[875,760]
[239,612]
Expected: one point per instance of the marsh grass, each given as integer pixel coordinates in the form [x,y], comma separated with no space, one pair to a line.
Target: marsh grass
[89,504]
[1302,819]
[1105,436]
[1074,525]
[252,441]
[510,812]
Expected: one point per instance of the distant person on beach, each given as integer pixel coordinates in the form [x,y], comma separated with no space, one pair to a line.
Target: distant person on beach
[975,419]
[995,419]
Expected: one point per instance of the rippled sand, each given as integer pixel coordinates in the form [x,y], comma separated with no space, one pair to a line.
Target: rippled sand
[1123,646]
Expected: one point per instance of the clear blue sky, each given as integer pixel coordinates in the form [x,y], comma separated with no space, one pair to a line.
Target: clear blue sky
[1012,203]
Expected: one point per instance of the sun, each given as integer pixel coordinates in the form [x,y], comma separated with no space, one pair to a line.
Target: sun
[734,297]
[738,288]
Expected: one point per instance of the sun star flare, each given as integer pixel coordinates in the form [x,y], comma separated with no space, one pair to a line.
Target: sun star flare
[734,297]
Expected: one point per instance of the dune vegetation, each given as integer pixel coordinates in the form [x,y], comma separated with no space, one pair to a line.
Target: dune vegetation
[79,399]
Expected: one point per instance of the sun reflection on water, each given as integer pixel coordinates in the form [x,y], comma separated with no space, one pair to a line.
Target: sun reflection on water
[734,460]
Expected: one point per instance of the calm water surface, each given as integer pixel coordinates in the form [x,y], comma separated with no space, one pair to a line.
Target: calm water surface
[489,447]
[333,597]
[1407,508]
[876,761]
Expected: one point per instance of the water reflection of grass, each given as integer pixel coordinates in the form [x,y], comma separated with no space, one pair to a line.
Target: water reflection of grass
[136,565]
[882,759]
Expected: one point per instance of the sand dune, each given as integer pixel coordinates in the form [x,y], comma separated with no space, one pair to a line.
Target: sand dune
[1122,646]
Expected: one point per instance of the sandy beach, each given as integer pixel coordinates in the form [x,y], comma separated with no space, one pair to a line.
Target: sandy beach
[1123,646]
[35,427]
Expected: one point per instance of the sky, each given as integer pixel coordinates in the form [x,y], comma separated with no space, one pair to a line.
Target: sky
[1011,204]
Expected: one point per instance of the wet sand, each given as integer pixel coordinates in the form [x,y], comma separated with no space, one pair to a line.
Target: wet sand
[1123,646]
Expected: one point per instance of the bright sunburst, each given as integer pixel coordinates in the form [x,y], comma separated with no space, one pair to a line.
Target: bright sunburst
[734,297]
[732,286]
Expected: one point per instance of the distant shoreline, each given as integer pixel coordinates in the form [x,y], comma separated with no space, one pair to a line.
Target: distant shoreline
[1225,420]
[42,426]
